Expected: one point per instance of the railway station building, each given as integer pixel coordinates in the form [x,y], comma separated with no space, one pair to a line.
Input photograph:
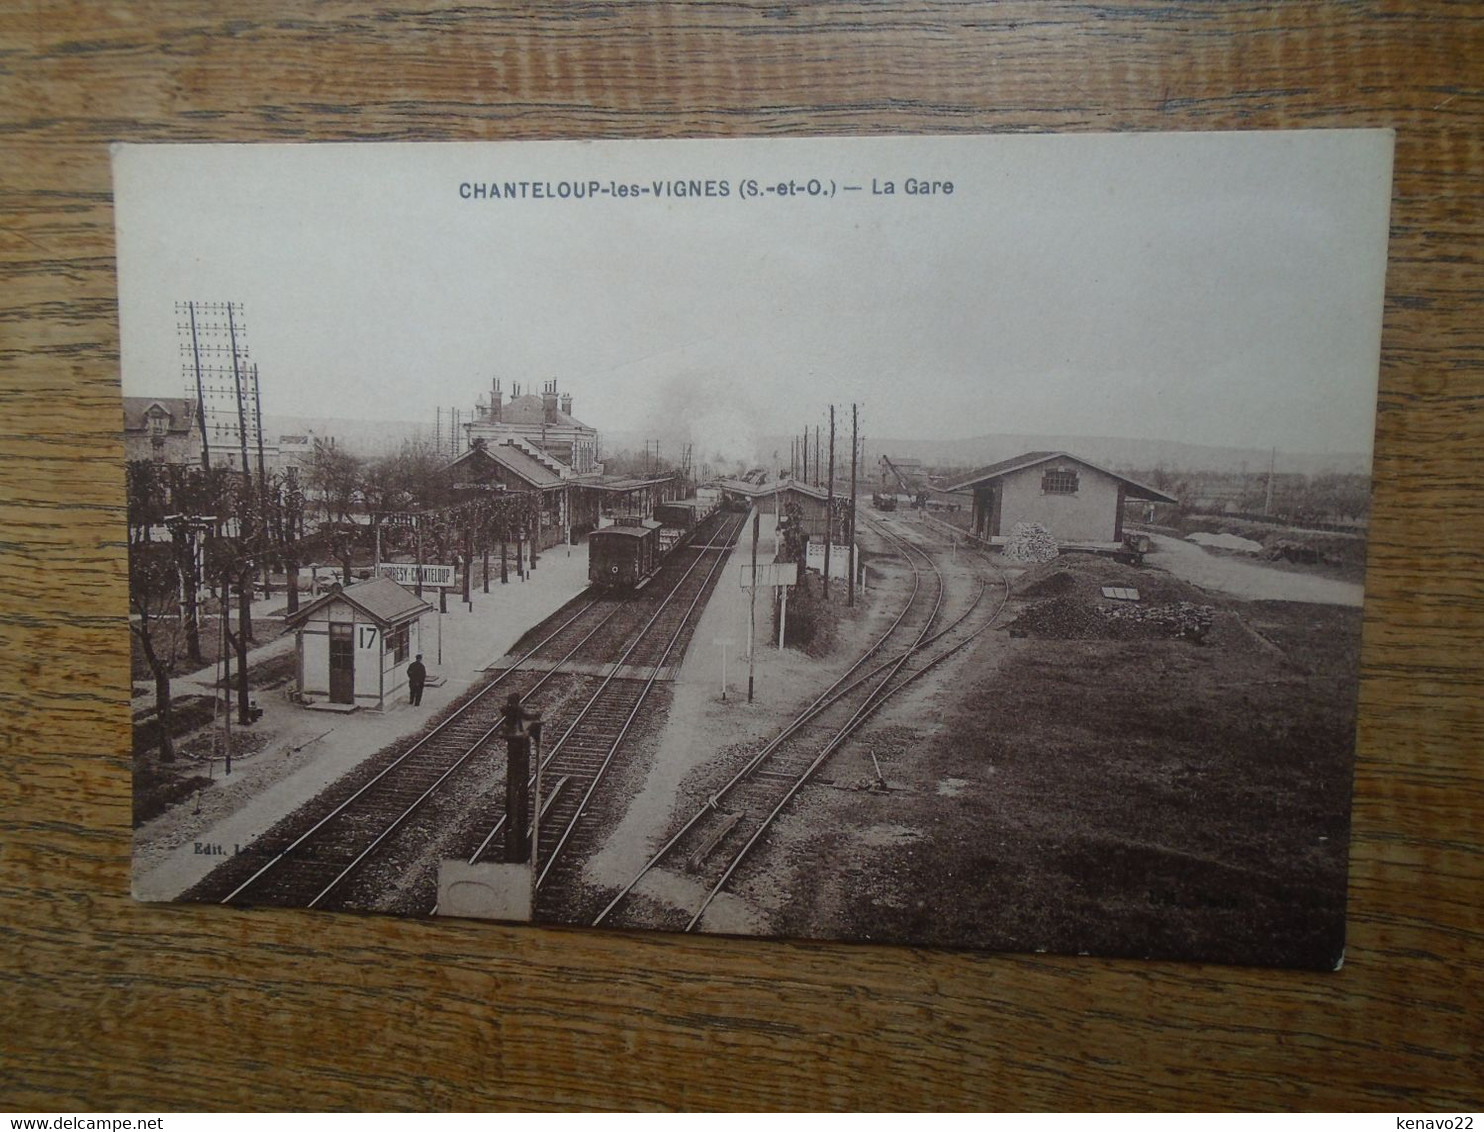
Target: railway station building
[542,421]
[354,644]
[1077,501]
[515,466]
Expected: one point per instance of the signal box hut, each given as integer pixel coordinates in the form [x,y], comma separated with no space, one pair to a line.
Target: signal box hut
[1080,503]
[354,644]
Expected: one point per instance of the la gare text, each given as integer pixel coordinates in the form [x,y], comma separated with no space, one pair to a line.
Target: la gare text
[713,189]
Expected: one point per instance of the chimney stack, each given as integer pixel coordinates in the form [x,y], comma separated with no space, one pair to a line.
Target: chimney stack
[549,402]
[497,402]
[567,403]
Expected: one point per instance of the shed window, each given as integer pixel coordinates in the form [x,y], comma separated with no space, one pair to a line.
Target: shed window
[1059,481]
[397,642]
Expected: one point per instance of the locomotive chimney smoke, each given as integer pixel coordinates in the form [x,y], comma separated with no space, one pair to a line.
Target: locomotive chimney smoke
[712,412]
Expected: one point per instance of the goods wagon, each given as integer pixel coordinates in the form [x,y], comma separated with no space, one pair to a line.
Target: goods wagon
[623,557]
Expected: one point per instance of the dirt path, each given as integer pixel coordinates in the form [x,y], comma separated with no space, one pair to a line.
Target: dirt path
[1249,580]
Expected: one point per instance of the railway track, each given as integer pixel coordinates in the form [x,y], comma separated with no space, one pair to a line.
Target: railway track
[573,768]
[721,834]
[316,858]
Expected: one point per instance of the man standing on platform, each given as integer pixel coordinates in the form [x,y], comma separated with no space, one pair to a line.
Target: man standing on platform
[417,676]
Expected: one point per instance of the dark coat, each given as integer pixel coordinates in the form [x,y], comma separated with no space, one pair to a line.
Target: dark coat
[417,674]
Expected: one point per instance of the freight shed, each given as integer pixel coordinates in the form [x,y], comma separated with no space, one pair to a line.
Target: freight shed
[1077,501]
[354,644]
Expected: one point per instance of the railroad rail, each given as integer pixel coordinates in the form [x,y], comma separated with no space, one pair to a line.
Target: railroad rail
[311,867]
[722,833]
[581,757]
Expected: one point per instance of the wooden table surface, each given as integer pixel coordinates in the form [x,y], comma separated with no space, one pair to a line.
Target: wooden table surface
[116,1005]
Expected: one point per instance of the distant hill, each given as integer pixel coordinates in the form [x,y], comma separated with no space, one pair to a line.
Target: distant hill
[375,438]
[1116,452]
[363,438]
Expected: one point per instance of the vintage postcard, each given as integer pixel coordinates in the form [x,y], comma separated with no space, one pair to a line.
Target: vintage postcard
[950,541]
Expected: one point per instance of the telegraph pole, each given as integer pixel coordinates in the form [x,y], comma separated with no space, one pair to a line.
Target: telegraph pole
[829,508]
[854,438]
[757,518]
[200,389]
[1267,505]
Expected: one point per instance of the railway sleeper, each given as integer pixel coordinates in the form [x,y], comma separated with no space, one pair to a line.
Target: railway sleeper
[694,862]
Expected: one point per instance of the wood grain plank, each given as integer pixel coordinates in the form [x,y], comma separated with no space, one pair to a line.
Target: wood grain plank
[122,1005]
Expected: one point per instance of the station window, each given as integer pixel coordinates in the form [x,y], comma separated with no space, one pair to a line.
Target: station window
[1059,481]
[398,643]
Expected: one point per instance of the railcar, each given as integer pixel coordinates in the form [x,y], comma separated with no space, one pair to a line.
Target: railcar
[623,557]
[677,520]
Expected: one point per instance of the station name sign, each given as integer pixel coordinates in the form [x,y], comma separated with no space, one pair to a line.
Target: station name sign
[405,573]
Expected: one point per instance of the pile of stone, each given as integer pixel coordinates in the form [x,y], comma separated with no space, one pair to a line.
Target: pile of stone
[1062,618]
[1030,542]
[1072,618]
[1182,620]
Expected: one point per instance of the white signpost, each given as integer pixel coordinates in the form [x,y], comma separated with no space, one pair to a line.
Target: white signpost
[783,574]
[725,643]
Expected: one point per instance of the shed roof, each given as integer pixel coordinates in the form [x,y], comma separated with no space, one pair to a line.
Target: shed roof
[622,532]
[598,481]
[757,490]
[384,601]
[1031,459]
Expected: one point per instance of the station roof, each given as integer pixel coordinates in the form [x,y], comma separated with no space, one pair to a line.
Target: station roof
[1019,463]
[521,463]
[756,490]
[381,599]
[530,409]
[597,481]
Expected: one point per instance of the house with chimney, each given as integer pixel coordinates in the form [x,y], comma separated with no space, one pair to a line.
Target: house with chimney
[543,421]
[163,430]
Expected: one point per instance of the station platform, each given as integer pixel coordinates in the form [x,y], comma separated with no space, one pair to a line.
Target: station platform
[305,750]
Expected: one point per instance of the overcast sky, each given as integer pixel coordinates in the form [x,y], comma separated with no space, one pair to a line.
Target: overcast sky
[1219,289]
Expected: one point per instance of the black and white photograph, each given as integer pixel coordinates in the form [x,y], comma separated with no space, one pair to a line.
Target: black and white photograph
[951,541]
